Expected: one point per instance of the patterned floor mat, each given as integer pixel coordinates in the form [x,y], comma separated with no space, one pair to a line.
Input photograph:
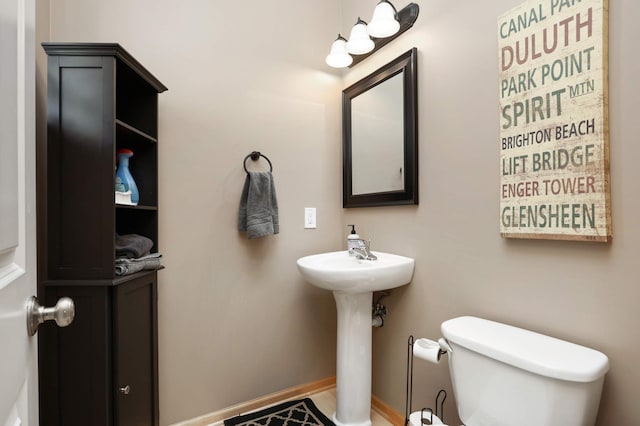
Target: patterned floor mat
[301,412]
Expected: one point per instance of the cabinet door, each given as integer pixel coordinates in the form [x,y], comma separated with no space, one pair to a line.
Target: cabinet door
[135,334]
[74,362]
[77,193]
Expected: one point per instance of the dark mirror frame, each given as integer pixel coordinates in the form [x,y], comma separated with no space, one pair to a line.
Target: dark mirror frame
[407,64]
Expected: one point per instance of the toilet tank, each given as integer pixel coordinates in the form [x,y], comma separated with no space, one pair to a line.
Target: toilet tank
[505,376]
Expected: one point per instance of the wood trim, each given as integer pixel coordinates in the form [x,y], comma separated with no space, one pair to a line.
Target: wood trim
[104,49]
[386,411]
[280,396]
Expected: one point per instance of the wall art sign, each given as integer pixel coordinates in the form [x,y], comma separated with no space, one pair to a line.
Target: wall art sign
[554,129]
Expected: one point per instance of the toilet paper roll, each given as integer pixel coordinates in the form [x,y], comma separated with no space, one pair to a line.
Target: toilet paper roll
[416,420]
[427,349]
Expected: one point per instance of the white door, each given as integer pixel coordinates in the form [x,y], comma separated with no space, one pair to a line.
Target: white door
[18,354]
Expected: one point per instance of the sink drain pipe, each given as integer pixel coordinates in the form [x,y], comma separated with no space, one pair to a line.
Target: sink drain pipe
[378,311]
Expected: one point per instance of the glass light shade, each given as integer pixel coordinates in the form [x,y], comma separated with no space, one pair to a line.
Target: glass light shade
[384,22]
[359,40]
[338,56]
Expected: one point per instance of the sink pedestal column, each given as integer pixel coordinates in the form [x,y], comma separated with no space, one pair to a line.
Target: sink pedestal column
[353,378]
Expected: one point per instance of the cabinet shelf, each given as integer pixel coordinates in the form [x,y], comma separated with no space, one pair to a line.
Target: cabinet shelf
[131,130]
[101,283]
[138,207]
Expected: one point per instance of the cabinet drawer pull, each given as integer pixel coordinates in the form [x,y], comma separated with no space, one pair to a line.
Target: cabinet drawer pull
[125,390]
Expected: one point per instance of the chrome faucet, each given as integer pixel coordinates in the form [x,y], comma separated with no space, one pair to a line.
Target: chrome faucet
[362,251]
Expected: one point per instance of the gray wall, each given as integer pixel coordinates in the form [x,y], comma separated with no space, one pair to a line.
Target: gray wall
[236,320]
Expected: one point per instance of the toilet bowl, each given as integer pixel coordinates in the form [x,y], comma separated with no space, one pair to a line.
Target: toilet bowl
[505,376]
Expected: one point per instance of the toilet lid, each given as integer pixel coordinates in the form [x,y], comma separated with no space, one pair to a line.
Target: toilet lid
[534,352]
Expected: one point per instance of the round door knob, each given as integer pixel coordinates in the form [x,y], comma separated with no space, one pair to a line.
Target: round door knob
[63,313]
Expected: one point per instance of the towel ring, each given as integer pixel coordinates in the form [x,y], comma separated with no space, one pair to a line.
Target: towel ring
[255,156]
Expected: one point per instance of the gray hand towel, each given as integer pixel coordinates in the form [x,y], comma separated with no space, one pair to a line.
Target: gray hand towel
[126,266]
[258,214]
[132,245]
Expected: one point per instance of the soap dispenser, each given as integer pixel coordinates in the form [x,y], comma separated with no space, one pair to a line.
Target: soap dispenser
[353,239]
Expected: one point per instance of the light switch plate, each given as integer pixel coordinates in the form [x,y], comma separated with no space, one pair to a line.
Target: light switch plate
[309,217]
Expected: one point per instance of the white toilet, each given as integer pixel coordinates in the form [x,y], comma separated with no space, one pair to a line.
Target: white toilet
[507,376]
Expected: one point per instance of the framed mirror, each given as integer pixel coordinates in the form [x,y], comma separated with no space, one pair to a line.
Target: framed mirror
[380,136]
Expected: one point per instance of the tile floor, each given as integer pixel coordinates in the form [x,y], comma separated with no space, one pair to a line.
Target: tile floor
[326,402]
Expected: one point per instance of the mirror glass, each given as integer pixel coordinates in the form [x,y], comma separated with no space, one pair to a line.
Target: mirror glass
[380,136]
[377,118]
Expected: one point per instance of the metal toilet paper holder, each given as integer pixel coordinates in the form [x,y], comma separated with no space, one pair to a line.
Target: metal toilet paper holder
[409,397]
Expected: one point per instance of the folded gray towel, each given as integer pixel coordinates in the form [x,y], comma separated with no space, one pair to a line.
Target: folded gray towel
[126,266]
[258,214]
[132,245]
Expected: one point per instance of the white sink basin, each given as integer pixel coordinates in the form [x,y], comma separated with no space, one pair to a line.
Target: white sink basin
[353,282]
[337,271]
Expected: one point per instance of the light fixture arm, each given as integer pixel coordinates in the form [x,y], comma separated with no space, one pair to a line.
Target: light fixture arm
[406,17]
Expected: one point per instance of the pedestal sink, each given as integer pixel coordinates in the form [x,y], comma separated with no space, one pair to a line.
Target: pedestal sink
[353,282]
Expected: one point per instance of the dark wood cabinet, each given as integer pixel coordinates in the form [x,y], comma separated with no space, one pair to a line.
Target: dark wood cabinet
[103,368]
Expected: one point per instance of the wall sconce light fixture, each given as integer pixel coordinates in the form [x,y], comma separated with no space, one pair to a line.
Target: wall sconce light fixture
[386,24]
[338,57]
[359,41]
